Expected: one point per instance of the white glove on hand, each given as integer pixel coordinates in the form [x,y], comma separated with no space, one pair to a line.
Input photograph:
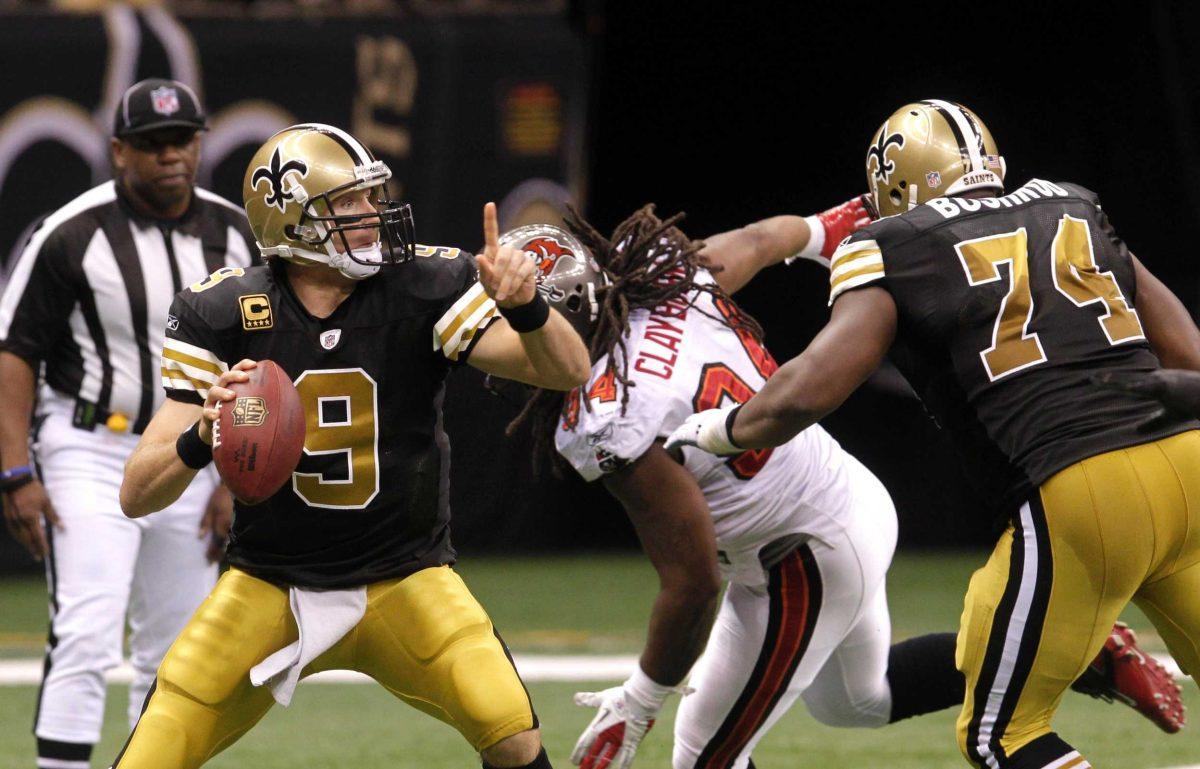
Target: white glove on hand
[626,713]
[707,431]
[612,738]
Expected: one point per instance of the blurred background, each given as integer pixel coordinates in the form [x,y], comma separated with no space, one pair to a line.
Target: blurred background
[730,112]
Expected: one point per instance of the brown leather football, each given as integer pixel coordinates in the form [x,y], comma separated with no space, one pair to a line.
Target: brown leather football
[259,436]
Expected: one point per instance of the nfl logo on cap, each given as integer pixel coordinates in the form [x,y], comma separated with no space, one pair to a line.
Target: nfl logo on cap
[165,100]
[933,179]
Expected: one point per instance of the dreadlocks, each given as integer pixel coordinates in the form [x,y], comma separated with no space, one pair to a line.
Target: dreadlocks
[647,262]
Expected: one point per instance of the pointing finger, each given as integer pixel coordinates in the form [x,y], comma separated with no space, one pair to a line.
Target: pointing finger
[491,229]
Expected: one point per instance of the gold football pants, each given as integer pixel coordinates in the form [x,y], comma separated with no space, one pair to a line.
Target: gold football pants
[424,638]
[1116,527]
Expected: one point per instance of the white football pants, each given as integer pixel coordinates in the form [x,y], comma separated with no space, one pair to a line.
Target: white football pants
[102,564]
[819,629]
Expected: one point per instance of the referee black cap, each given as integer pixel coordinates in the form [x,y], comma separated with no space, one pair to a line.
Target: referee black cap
[157,103]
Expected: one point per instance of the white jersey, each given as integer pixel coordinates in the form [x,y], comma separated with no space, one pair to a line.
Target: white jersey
[684,359]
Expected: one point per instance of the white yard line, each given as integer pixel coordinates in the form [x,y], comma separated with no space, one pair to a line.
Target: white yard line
[533,667]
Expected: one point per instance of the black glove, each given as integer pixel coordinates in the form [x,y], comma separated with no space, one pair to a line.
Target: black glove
[1178,390]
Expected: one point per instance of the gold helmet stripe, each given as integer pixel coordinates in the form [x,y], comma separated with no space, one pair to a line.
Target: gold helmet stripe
[969,140]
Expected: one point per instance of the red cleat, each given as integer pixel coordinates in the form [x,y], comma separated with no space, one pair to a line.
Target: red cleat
[1125,673]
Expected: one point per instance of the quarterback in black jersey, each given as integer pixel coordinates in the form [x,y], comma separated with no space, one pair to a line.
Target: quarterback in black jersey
[348,565]
[1004,311]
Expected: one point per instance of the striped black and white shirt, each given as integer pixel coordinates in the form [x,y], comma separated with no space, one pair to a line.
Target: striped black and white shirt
[89,295]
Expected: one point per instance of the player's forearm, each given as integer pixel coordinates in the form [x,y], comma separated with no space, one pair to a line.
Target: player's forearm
[679,626]
[16,405]
[557,355]
[793,399]
[155,477]
[739,255]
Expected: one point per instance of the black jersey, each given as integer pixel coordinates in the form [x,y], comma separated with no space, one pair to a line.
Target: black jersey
[1006,309]
[369,499]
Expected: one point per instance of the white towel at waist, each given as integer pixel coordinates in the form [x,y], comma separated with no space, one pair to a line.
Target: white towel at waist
[323,618]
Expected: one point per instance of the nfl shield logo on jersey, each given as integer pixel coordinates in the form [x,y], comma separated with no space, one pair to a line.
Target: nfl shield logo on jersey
[165,100]
[329,339]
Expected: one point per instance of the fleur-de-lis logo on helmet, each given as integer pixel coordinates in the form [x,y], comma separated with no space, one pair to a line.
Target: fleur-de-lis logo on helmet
[273,175]
[878,151]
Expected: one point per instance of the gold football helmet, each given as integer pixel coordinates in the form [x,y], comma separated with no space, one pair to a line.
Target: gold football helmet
[289,189]
[928,150]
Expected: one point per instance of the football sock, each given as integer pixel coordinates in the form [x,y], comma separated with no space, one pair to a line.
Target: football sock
[542,761]
[1046,751]
[923,677]
[52,754]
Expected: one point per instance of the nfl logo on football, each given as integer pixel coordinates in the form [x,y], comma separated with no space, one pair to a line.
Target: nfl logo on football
[165,100]
[933,179]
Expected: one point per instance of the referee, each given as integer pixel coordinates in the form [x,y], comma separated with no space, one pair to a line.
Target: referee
[81,326]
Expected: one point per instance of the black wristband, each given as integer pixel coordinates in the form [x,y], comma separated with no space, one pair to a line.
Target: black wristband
[192,449]
[528,317]
[733,412]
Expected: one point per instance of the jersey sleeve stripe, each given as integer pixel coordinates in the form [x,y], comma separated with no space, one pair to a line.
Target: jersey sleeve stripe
[453,317]
[853,251]
[854,281]
[193,356]
[479,320]
[471,308]
[178,378]
[854,265]
[200,369]
[471,333]
[188,370]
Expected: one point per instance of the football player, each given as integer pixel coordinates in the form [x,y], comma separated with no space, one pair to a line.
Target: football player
[348,565]
[803,534]
[1000,309]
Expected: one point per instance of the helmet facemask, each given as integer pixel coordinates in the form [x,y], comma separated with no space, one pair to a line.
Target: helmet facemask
[392,221]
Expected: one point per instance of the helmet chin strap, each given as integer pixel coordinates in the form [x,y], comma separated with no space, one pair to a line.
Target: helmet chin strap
[356,270]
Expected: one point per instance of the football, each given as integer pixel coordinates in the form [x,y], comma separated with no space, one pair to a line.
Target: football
[258,439]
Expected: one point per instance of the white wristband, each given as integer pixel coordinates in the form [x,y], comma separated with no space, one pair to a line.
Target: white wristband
[714,435]
[816,241]
[645,695]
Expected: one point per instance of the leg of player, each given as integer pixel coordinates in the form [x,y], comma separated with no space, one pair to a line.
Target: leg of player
[1043,606]
[768,645]
[172,578]
[202,700]
[88,568]
[428,641]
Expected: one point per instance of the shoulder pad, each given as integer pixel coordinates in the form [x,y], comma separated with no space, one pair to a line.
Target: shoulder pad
[1080,191]
[444,252]
[451,272]
[232,297]
[609,435]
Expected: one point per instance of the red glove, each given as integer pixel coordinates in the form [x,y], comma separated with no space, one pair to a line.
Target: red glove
[840,222]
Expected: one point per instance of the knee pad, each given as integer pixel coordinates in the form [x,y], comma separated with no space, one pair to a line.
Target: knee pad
[850,712]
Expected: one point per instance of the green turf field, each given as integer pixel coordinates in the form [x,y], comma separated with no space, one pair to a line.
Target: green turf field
[594,604]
